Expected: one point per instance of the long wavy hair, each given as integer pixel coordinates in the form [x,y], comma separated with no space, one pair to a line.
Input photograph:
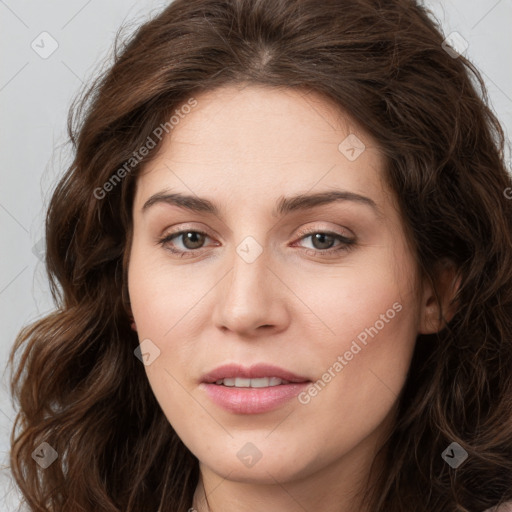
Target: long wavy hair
[78,384]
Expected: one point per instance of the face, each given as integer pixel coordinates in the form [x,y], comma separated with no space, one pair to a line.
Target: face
[289,264]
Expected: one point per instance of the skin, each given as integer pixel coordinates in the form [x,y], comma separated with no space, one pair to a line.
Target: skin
[243,148]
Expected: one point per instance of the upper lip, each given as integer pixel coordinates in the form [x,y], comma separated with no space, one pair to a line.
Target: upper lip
[253,372]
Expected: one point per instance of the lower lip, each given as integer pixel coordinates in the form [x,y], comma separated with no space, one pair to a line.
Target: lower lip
[252,400]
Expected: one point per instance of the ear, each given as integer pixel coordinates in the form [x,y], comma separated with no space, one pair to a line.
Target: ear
[128,310]
[435,315]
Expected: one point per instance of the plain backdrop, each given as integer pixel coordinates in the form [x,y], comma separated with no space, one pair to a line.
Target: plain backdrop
[36,90]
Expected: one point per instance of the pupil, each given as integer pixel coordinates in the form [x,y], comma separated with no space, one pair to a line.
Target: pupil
[190,238]
[321,238]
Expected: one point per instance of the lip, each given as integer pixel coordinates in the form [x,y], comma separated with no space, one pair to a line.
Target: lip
[253,372]
[252,400]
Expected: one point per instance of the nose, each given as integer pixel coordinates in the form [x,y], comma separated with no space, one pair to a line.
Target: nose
[251,299]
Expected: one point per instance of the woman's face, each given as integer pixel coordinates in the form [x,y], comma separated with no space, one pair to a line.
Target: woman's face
[303,266]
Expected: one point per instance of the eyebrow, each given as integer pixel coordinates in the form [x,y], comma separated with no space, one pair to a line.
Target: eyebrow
[284,205]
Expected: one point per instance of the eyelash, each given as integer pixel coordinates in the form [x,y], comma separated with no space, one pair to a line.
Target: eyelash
[346,243]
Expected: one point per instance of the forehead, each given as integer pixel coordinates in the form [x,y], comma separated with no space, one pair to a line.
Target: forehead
[262,141]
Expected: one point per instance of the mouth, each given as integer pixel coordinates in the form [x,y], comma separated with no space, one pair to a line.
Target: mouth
[252,390]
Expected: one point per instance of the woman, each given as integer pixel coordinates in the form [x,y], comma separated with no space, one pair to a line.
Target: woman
[209,352]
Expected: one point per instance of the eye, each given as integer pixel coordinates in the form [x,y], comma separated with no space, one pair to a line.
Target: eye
[324,242]
[191,240]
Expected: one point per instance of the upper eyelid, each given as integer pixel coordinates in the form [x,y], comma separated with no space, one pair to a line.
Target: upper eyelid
[301,232]
[313,230]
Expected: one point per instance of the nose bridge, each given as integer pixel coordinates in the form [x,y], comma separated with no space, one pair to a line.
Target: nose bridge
[247,298]
[249,276]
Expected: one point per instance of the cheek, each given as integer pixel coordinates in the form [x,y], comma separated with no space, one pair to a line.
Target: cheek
[160,293]
[369,327]
[363,296]
[161,302]
[166,304]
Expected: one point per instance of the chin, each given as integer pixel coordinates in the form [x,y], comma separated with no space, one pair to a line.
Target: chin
[246,463]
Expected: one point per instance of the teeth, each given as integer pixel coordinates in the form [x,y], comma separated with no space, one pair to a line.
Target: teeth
[242,383]
[262,382]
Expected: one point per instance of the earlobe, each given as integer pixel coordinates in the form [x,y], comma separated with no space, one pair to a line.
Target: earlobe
[436,314]
[133,325]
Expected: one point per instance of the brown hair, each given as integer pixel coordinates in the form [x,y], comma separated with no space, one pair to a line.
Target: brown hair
[78,384]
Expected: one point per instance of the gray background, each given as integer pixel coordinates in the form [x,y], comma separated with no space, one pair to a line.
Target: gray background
[35,95]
